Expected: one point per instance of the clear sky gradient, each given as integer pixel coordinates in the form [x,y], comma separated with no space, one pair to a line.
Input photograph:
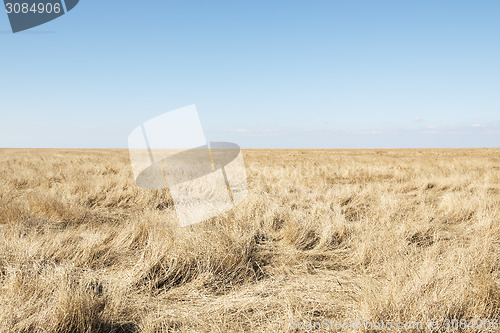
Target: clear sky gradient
[264,74]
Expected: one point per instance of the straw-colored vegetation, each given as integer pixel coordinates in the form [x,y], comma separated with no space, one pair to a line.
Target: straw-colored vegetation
[378,235]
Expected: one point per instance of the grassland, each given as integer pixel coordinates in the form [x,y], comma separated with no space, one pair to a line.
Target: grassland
[378,235]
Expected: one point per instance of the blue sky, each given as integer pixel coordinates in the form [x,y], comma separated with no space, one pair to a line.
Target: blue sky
[264,74]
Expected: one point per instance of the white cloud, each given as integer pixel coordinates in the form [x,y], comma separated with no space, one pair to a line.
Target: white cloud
[476,125]
[417,119]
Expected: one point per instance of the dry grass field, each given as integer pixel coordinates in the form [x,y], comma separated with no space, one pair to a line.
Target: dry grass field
[377,235]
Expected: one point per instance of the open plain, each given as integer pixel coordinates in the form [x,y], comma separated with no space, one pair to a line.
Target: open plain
[407,235]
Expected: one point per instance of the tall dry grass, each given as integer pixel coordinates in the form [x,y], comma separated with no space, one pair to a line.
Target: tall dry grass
[392,235]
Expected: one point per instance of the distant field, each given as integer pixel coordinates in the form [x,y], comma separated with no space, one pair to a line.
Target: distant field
[377,235]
